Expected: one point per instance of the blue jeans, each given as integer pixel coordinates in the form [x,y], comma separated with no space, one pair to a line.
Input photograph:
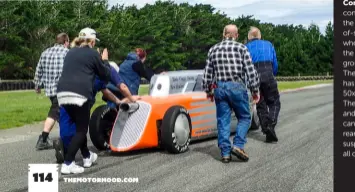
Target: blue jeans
[232,96]
[67,128]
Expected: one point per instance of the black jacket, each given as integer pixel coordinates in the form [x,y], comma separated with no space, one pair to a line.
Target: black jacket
[81,65]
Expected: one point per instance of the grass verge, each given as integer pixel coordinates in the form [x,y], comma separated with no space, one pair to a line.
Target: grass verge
[19,108]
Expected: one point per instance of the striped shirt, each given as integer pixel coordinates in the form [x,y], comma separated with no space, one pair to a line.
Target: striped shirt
[230,61]
[49,69]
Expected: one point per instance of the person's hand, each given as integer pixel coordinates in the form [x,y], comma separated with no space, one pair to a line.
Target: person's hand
[133,99]
[210,97]
[256,97]
[137,97]
[118,102]
[143,60]
[104,54]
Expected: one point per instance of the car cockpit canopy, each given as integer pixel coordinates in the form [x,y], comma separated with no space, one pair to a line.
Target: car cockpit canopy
[176,82]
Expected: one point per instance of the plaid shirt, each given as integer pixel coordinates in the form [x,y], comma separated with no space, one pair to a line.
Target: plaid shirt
[230,61]
[49,69]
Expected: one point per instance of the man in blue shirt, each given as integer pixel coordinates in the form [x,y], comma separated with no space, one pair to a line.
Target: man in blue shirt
[264,58]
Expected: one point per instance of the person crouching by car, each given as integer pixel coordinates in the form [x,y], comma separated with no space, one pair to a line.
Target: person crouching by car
[120,89]
[75,88]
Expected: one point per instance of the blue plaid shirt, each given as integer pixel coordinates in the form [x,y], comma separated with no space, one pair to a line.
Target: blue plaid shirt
[261,51]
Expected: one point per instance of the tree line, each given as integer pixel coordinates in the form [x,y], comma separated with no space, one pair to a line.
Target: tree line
[176,36]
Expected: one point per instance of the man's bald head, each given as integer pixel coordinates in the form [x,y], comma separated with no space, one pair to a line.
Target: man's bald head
[254,33]
[230,31]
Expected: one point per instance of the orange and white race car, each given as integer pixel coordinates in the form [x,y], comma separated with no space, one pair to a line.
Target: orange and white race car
[175,113]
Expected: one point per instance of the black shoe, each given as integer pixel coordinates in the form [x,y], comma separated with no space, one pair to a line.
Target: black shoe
[240,154]
[226,159]
[269,139]
[270,134]
[59,150]
[43,145]
[274,135]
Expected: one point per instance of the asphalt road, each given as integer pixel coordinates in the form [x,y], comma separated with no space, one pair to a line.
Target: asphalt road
[301,161]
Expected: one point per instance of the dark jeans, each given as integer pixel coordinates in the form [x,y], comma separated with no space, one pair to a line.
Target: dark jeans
[232,96]
[80,117]
[269,106]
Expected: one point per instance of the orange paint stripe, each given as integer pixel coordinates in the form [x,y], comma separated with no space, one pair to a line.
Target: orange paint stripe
[200,134]
[202,128]
[201,106]
[202,121]
[202,113]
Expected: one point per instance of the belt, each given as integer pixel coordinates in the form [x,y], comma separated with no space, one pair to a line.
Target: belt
[263,62]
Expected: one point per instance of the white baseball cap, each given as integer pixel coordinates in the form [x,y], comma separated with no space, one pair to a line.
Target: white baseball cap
[88,33]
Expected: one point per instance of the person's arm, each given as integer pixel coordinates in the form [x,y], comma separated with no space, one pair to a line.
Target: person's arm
[208,73]
[39,74]
[126,100]
[110,96]
[116,80]
[251,73]
[125,91]
[139,68]
[274,62]
[102,66]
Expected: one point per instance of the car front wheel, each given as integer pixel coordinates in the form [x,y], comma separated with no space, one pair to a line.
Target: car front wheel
[176,130]
[100,127]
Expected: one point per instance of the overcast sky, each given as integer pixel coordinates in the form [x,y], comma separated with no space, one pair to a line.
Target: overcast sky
[296,12]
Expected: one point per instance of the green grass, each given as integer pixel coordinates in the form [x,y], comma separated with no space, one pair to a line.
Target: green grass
[298,84]
[19,108]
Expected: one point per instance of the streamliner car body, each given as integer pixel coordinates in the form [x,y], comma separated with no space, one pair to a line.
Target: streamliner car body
[174,113]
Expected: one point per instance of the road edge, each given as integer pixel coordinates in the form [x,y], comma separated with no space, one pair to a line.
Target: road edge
[317,86]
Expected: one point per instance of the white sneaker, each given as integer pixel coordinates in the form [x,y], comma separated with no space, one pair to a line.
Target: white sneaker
[89,161]
[72,168]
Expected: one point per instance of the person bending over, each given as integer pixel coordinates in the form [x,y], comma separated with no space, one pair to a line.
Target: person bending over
[132,70]
[115,83]
[67,126]
[75,87]
[120,89]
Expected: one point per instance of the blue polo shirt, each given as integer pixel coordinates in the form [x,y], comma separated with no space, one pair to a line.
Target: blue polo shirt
[263,51]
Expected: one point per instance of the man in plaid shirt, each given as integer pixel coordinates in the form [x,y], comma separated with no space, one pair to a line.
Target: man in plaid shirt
[228,67]
[48,71]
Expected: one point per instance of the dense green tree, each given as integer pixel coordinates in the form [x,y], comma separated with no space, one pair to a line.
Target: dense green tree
[176,36]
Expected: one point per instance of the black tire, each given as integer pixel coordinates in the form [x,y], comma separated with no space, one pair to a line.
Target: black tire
[168,138]
[100,126]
